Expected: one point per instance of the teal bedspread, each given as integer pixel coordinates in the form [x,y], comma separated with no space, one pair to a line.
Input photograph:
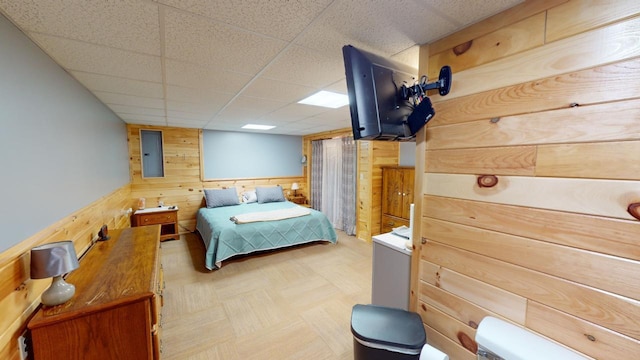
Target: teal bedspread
[224,239]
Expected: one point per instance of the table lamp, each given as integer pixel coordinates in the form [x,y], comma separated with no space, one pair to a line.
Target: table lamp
[295,187]
[54,260]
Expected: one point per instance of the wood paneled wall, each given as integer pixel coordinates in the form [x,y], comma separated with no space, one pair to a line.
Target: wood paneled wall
[545,97]
[372,157]
[19,295]
[183,184]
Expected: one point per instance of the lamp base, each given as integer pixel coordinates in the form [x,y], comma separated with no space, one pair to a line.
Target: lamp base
[58,293]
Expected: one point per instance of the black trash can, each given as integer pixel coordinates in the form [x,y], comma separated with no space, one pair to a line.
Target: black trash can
[383,333]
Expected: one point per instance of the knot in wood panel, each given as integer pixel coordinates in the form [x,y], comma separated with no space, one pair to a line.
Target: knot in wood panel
[462,48]
[487,181]
[634,210]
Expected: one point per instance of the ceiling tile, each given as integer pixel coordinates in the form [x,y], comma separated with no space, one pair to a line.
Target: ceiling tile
[282,19]
[200,77]
[209,43]
[80,56]
[198,96]
[302,66]
[136,110]
[293,112]
[197,108]
[339,87]
[142,119]
[277,90]
[188,115]
[129,25]
[97,82]
[186,123]
[385,27]
[337,115]
[223,126]
[246,109]
[120,99]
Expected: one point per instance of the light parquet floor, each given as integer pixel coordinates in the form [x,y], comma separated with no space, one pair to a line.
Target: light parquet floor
[288,304]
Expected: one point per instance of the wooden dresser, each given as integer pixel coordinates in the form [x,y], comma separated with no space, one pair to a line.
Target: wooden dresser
[115,311]
[397,196]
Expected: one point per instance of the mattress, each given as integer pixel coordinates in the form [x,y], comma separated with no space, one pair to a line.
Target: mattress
[224,239]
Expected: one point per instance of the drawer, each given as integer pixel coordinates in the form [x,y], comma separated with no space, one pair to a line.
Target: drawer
[161,218]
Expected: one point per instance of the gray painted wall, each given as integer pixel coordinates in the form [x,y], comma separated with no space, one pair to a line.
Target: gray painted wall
[60,148]
[249,155]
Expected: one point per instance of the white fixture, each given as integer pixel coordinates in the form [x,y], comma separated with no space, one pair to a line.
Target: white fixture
[391,271]
[326,99]
[258,127]
[500,340]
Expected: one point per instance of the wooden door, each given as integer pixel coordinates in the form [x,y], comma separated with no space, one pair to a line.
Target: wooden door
[407,192]
[392,191]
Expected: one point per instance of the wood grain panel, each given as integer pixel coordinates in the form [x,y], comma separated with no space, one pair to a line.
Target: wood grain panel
[512,39]
[579,124]
[591,339]
[613,43]
[449,327]
[608,198]
[616,160]
[574,17]
[457,307]
[448,346]
[364,227]
[604,235]
[490,297]
[614,274]
[518,160]
[614,82]
[614,312]
[493,23]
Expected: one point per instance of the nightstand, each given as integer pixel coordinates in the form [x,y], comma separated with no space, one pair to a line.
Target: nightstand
[164,216]
[298,199]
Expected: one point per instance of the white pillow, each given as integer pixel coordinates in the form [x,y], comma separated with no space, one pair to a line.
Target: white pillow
[249,197]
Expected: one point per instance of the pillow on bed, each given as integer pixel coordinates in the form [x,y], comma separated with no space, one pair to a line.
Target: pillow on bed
[269,194]
[221,197]
[249,197]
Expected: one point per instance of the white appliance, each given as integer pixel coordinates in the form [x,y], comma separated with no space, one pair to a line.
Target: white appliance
[500,340]
[391,271]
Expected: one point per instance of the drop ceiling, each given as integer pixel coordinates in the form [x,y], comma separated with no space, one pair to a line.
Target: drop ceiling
[220,64]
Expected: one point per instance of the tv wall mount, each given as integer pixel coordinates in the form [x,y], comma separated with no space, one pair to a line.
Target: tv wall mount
[423,111]
[443,84]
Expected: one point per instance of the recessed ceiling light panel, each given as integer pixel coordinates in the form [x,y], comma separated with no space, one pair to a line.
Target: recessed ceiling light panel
[258,127]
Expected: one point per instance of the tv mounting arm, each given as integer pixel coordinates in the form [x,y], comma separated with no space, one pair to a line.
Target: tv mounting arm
[423,111]
[443,84]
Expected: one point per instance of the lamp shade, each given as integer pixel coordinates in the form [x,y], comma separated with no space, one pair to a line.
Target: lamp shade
[53,259]
[295,186]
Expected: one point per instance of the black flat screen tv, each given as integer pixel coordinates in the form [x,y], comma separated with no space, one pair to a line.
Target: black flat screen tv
[378,112]
[385,99]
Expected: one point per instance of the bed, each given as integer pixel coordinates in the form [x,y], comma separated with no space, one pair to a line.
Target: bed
[223,238]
